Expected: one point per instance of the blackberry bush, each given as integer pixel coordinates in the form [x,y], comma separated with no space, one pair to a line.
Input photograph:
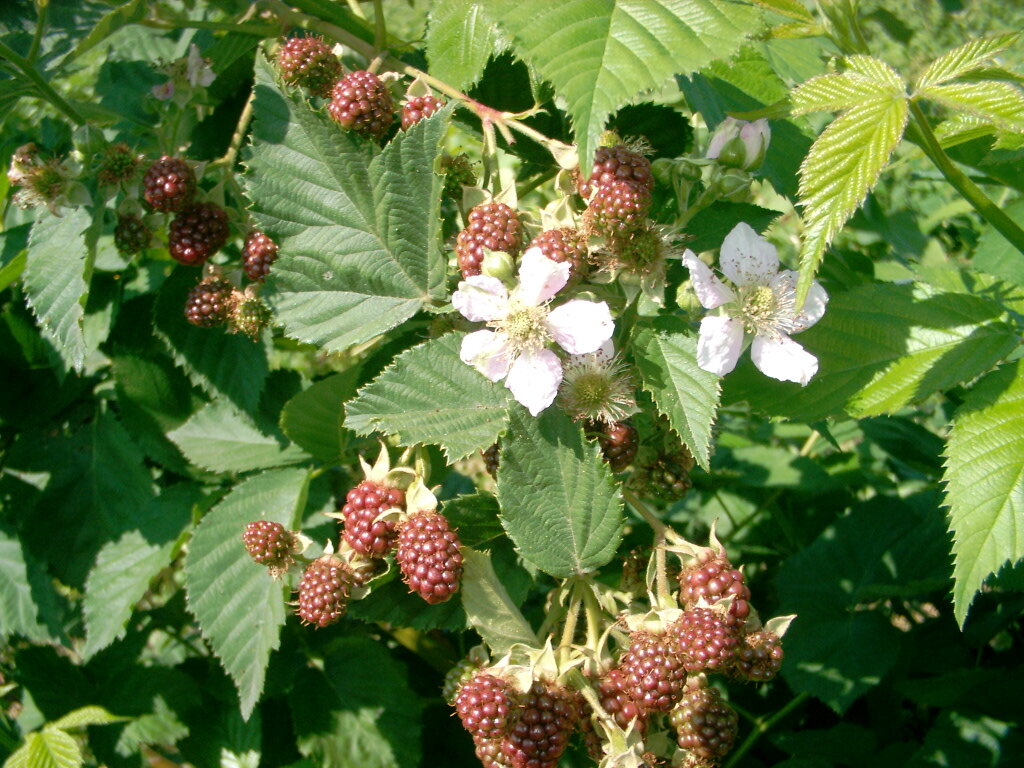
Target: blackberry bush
[618,192]
[542,723]
[707,639]
[563,244]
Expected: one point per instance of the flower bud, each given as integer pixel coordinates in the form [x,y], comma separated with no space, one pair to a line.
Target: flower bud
[498,264]
[734,185]
[740,144]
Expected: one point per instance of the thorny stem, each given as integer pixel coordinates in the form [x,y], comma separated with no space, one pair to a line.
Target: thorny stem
[45,89]
[238,138]
[594,616]
[492,171]
[761,727]
[44,13]
[571,617]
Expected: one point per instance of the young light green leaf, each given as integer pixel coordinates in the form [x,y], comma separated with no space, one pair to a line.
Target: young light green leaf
[461,37]
[666,357]
[985,482]
[964,59]
[358,229]
[83,716]
[48,748]
[54,280]
[828,93]
[558,500]
[599,55]
[313,418]
[1001,104]
[239,607]
[876,70]
[791,8]
[18,609]
[428,395]
[488,606]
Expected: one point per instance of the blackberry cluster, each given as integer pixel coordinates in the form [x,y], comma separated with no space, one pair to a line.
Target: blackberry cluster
[197,233]
[324,591]
[653,671]
[210,303]
[363,504]
[429,557]
[131,235]
[705,725]
[494,226]
[711,576]
[169,184]
[618,191]
[249,315]
[706,639]
[563,244]
[543,722]
[759,657]
[483,704]
[416,108]
[269,543]
[258,253]
[309,62]
[619,442]
[361,102]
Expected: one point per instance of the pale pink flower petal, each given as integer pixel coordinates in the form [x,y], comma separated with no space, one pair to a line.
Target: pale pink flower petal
[581,326]
[488,352]
[164,91]
[747,258]
[540,278]
[534,379]
[783,359]
[726,131]
[719,344]
[481,298]
[711,292]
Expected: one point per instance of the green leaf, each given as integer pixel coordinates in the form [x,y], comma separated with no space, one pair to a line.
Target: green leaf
[712,224]
[599,54]
[83,716]
[461,37]
[997,255]
[830,93]
[791,8]
[475,517]
[881,347]
[558,500]
[490,610]
[359,231]
[428,395]
[1000,103]
[220,438]
[964,59]
[666,357]
[313,418]
[122,16]
[239,607]
[48,748]
[18,610]
[55,284]
[985,481]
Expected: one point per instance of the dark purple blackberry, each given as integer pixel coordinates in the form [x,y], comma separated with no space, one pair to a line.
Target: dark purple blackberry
[653,671]
[269,543]
[361,102]
[310,63]
[363,504]
[619,442]
[416,108]
[210,303]
[169,184]
[618,191]
[542,723]
[429,557]
[258,253]
[711,576]
[131,235]
[563,244]
[705,725]
[707,639]
[758,658]
[324,591]
[483,704]
[490,225]
[197,233]
[492,457]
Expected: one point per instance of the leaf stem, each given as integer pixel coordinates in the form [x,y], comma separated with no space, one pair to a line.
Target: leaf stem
[45,89]
[571,617]
[238,138]
[761,727]
[380,34]
[37,38]
[989,211]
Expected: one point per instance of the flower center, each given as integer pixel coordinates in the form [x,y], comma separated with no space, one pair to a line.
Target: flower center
[591,390]
[767,311]
[525,326]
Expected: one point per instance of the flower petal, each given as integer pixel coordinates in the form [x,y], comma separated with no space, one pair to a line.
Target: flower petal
[534,379]
[747,258]
[540,278]
[783,359]
[813,309]
[711,292]
[719,344]
[581,326]
[481,298]
[488,352]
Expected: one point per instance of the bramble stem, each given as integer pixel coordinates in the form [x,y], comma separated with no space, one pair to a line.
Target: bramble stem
[571,617]
[238,137]
[44,14]
[761,727]
[45,89]
[380,34]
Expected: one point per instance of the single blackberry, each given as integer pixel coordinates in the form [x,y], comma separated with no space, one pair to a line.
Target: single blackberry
[705,725]
[490,753]
[249,315]
[611,692]
[665,478]
[118,165]
[197,233]
[258,253]
[210,303]
[360,102]
[542,723]
[169,184]
[653,671]
[619,442]
[309,62]
[416,108]
[428,556]
[269,544]
[711,576]
[483,703]
[458,173]
[563,244]
[706,639]
[492,457]
[492,225]
[324,591]
[363,504]
[618,192]
[131,235]
[758,658]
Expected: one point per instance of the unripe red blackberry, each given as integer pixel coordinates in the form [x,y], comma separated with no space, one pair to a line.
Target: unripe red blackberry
[563,244]
[269,543]
[618,191]
[361,102]
[309,62]
[617,702]
[324,591]
[483,703]
[210,302]
[249,315]
[705,725]
[197,233]
[491,754]
[492,458]
[131,235]
[490,225]
[653,671]
[258,253]
[120,163]
[416,108]
[707,639]
[428,556]
[169,184]
[619,442]
[542,723]
[759,657]
[711,576]
[456,677]
[363,504]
